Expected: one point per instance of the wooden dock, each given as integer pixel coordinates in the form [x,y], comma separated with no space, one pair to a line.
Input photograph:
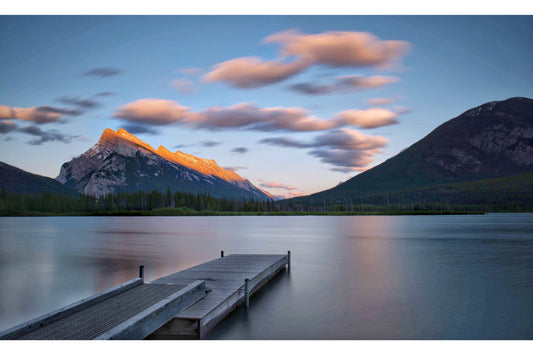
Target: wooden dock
[186,304]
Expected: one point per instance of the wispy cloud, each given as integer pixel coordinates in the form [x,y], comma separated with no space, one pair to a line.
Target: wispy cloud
[240,150]
[380,101]
[140,129]
[39,114]
[7,127]
[300,51]
[251,72]
[209,143]
[42,136]
[247,116]
[340,49]
[103,72]
[105,93]
[235,168]
[277,185]
[344,148]
[76,101]
[345,84]
[369,118]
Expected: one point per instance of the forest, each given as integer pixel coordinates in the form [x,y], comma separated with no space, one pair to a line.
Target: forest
[497,195]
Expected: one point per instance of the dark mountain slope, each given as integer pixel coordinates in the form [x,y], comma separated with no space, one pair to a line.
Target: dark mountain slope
[15,180]
[489,141]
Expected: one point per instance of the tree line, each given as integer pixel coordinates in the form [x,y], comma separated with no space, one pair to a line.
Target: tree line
[502,195]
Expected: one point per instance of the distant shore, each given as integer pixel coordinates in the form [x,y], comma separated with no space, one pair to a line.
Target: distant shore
[179,212]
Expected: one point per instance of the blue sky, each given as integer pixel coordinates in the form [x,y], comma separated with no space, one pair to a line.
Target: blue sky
[189,82]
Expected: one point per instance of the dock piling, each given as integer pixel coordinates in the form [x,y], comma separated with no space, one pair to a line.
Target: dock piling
[247,293]
[289,260]
[141,271]
[222,253]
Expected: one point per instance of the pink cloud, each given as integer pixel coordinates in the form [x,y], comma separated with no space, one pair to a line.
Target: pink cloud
[250,72]
[277,185]
[369,118]
[152,111]
[380,101]
[39,114]
[340,49]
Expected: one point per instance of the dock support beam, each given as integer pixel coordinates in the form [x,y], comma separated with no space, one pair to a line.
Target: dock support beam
[289,260]
[246,293]
[141,271]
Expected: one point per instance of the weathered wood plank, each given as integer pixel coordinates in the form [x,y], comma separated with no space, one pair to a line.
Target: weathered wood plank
[146,322]
[48,318]
[225,278]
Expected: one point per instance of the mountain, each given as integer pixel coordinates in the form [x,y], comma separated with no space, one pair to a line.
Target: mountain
[15,180]
[121,162]
[486,142]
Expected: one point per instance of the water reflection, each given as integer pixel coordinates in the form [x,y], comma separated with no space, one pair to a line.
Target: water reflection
[364,277]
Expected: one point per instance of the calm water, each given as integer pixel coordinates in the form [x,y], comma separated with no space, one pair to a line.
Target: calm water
[361,277]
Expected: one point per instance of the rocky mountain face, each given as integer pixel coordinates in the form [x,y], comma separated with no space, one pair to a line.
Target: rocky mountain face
[121,162]
[489,141]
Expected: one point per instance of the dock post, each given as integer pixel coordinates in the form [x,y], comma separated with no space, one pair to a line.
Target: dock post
[141,271]
[222,253]
[246,293]
[289,260]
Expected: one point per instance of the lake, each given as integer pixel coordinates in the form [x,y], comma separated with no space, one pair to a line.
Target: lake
[352,277]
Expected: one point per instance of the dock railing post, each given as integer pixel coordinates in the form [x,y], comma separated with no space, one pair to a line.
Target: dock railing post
[289,260]
[246,293]
[222,253]
[141,271]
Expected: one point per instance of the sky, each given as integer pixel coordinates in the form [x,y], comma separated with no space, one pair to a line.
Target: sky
[295,104]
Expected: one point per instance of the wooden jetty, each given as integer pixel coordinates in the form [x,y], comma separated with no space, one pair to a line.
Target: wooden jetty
[186,304]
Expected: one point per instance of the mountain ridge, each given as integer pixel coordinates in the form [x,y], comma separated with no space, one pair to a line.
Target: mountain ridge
[492,140]
[121,162]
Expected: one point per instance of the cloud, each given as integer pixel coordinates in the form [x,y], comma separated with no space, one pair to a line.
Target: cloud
[39,114]
[300,51]
[370,118]
[345,149]
[103,72]
[284,142]
[82,103]
[248,116]
[243,115]
[152,112]
[345,84]
[251,117]
[45,136]
[240,150]
[7,127]
[380,101]
[209,143]
[340,49]
[139,129]
[277,185]
[252,72]
[235,168]
[345,160]
[185,86]
[106,93]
